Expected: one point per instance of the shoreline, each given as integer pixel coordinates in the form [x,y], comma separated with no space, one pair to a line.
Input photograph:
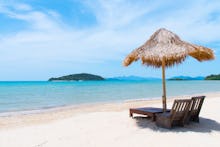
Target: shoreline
[25,97]
[72,106]
[25,118]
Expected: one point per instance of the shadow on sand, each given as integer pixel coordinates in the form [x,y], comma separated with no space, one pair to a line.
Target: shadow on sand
[205,125]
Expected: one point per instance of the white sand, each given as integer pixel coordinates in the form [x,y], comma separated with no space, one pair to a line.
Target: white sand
[108,125]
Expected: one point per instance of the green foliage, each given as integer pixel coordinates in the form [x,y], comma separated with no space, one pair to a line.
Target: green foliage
[213,77]
[78,77]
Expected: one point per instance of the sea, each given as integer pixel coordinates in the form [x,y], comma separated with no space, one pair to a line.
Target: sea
[36,95]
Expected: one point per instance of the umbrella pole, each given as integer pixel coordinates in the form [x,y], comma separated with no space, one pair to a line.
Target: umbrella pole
[164,86]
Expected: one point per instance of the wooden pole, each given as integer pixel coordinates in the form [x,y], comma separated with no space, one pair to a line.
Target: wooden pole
[164,86]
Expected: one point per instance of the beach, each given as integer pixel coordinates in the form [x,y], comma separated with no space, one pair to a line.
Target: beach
[71,71]
[108,124]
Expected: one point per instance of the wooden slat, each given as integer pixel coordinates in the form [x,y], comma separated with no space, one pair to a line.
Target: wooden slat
[196,107]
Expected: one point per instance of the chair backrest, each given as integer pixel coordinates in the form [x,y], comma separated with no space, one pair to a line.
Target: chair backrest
[196,105]
[180,109]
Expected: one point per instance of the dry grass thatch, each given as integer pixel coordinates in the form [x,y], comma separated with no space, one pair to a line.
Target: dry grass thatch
[167,45]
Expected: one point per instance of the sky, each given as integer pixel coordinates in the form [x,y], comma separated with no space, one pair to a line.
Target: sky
[40,39]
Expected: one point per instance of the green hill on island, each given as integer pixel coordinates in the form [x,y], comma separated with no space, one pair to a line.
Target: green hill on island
[213,77]
[78,77]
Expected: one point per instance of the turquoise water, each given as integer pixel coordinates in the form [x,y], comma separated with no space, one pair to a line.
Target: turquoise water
[17,96]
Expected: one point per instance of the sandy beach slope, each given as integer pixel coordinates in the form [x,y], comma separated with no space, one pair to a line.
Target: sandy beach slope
[108,125]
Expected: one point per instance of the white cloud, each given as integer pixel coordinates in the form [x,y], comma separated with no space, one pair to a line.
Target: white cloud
[23,7]
[42,20]
[121,26]
[119,13]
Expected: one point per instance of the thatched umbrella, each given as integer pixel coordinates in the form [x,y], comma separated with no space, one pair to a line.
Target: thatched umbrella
[166,49]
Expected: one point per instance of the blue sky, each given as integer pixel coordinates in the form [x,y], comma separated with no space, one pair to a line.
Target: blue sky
[40,39]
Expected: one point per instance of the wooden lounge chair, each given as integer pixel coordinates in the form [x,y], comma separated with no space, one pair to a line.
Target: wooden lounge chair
[177,115]
[195,108]
[149,111]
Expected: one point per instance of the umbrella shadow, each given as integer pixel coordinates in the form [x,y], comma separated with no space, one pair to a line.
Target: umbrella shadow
[205,126]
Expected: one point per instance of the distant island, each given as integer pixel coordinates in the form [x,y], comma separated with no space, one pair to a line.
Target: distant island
[213,77]
[179,78]
[78,77]
[210,77]
[91,77]
[133,78]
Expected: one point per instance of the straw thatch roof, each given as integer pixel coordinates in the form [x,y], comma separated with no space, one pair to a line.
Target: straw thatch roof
[167,45]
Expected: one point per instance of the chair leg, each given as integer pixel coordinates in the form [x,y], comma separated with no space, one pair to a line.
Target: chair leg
[182,124]
[164,123]
[131,114]
[195,119]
